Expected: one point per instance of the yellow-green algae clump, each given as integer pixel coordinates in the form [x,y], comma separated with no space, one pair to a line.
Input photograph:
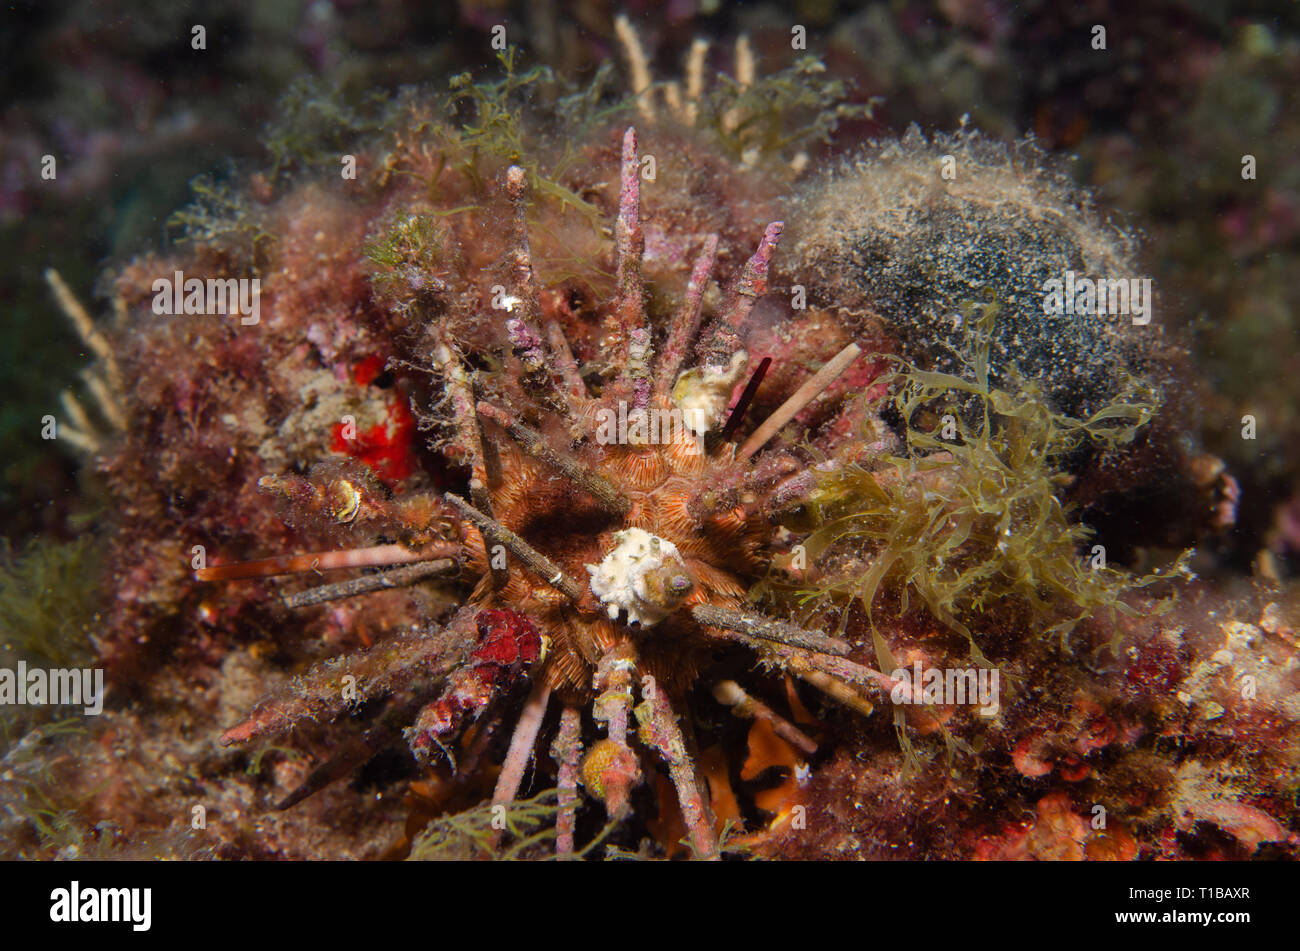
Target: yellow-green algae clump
[969,518]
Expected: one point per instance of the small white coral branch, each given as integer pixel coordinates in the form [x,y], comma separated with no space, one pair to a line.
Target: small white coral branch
[104,382]
[637,64]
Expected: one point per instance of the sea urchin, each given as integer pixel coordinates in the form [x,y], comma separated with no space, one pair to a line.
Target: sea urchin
[628,488]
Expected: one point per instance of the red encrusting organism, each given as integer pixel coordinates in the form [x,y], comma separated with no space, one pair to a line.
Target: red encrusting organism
[387,447]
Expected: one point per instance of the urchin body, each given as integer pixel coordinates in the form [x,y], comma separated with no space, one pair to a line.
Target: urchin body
[631,631]
[643,570]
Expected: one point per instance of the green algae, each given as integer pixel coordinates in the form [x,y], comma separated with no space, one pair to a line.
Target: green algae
[219,215]
[471,834]
[493,123]
[316,124]
[969,518]
[31,796]
[780,111]
[48,598]
[410,241]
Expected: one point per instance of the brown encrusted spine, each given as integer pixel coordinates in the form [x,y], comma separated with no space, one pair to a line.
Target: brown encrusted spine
[358,749]
[659,731]
[567,753]
[397,578]
[686,323]
[465,421]
[629,307]
[561,355]
[534,560]
[531,442]
[417,656]
[768,629]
